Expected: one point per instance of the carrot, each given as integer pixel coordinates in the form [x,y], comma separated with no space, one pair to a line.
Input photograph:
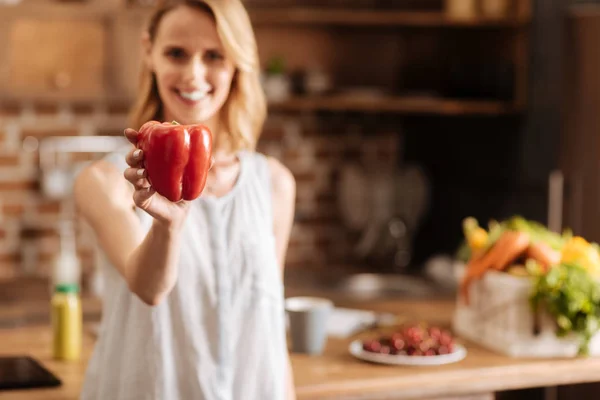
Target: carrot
[464,289]
[513,245]
[506,249]
[475,268]
[543,254]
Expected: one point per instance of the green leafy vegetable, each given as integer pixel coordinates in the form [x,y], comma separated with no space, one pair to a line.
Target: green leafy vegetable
[572,297]
[538,232]
[463,253]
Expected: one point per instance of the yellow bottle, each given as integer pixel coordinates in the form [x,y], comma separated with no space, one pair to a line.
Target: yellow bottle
[67,323]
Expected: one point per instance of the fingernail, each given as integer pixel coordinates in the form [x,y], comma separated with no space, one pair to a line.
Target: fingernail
[136,154]
[140,172]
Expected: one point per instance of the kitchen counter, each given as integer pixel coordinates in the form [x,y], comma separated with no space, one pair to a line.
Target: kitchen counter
[338,375]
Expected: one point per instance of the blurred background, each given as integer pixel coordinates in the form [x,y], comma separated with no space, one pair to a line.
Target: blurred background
[398,118]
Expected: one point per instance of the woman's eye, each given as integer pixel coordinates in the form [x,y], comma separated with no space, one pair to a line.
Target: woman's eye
[176,53]
[214,55]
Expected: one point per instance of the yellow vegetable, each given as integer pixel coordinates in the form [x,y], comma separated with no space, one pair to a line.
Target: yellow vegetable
[477,239]
[476,236]
[580,251]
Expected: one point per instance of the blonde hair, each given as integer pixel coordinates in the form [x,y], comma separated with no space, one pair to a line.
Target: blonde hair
[244,111]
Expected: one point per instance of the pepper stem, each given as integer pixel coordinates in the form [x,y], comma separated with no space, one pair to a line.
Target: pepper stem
[175,123]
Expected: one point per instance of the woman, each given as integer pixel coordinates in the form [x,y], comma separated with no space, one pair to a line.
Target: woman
[193,304]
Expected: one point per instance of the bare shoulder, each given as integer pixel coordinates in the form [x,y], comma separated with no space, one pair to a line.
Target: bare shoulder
[283,181]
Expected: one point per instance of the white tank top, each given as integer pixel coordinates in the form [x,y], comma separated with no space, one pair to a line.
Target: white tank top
[220,333]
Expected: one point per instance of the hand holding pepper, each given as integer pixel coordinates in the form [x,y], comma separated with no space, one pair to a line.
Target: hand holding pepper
[177,158]
[168,166]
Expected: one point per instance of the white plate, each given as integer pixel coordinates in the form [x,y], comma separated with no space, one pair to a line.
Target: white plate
[357,351]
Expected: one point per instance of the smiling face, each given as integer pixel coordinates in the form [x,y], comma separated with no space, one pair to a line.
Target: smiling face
[193,73]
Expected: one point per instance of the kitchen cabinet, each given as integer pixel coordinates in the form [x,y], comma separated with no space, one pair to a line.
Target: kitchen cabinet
[57,51]
[126,57]
[427,60]
[84,50]
[56,56]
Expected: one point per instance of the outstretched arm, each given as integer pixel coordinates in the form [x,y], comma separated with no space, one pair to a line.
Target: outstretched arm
[284,202]
[148,262]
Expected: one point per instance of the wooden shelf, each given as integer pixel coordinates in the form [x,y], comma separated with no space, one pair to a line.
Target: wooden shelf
[56,10]
[410,105]
[69,97]
[284,15]
[276,16]
[397,104]
[584,11]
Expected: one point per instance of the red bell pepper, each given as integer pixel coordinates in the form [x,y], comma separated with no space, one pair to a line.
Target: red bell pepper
[176,158]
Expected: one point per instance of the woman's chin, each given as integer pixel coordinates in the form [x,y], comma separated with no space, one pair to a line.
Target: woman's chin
[186,117]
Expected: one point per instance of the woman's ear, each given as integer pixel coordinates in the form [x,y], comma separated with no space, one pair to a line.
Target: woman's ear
[147,50]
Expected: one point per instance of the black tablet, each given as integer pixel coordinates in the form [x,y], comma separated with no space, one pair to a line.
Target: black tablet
[23,372]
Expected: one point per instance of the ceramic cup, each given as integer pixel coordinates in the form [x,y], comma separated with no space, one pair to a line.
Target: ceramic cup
[308,323]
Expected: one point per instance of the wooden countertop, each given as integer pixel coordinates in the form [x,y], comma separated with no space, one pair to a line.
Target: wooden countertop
[336,374]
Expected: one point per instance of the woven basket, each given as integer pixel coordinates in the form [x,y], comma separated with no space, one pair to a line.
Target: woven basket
[499,317]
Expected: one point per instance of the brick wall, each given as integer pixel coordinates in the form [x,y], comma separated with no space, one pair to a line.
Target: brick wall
[29,221]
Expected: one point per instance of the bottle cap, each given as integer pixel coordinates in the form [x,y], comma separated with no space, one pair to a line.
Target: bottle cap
[67,288]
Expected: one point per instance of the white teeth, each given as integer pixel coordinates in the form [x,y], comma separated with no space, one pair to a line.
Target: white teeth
[195,95]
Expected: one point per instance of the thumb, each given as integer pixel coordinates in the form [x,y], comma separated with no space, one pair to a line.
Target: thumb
[143,197]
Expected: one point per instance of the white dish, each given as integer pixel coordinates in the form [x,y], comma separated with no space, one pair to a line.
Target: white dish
[357,351]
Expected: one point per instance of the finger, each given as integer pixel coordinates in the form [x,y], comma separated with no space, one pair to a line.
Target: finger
[212,163]
[143,197]
[137,177]
[134,158]
[131,135]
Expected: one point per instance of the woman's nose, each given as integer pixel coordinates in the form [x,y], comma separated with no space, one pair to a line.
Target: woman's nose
[196,71]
